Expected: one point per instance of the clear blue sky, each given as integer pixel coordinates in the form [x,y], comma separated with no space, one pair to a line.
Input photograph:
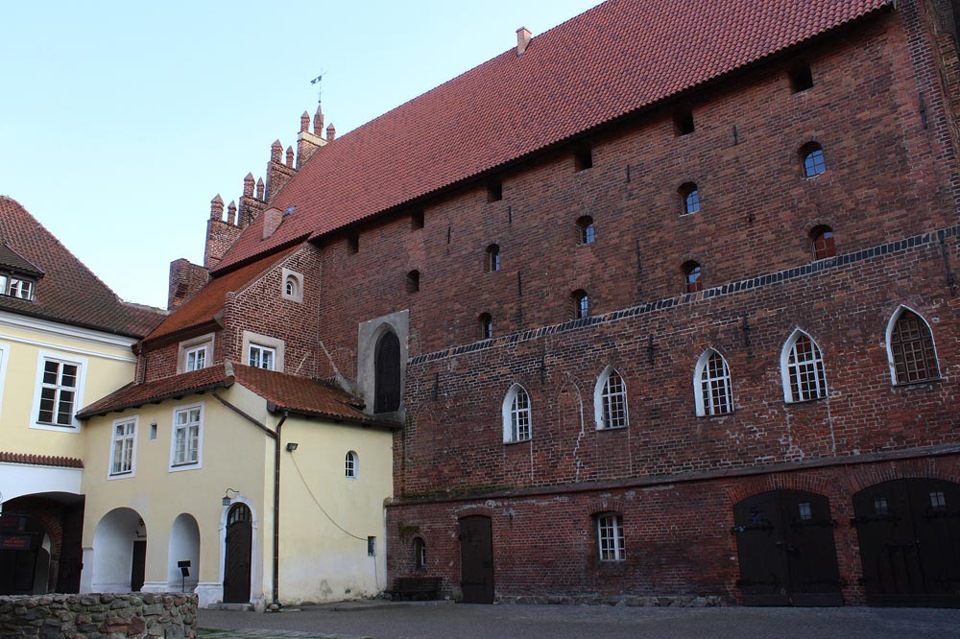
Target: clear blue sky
[120,120]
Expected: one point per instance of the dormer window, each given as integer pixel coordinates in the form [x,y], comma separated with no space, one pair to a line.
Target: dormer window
[16,286]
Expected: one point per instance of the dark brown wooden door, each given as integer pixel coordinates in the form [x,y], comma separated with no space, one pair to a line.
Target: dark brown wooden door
[787,551]
[909,534]
[139,569]
[476,560]
[71,550]
[236,577]
[387,374]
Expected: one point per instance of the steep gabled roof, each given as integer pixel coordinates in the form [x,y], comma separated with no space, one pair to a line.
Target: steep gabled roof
[68,291]
[202,309]
[616,59]
[283,393]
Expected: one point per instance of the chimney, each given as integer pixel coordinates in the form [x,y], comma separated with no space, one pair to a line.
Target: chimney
[523,39]
[271,221]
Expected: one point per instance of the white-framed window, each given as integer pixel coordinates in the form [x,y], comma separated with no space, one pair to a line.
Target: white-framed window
[610,542]
[196,358]
[802,370]
[292,285]
[123,447]
[58,391]
[186,441]
[911,352]
[516,415]
[351,465]
[262,351]
[610,400]
[20,287]
[195,354]
[712,387]
[260,356]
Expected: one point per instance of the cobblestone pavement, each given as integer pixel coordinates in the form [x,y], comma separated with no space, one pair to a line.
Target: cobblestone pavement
[461,621]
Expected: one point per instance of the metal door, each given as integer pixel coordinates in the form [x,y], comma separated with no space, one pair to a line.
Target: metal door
[476,559]
[236,572]
[787,552]
[909,534]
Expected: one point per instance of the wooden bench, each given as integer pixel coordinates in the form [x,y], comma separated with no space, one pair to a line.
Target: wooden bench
[416,588]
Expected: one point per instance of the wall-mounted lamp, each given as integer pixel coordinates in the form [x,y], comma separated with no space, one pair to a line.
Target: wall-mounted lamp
[226,496]
[292,446]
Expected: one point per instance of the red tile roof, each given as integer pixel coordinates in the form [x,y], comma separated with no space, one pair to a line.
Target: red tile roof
[68,292]
[202,308]
[135,395]
[297,395]
[618,58]
[303,396]
[40,460]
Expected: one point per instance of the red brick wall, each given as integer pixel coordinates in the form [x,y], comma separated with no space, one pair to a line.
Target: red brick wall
[678,535]
[883,169]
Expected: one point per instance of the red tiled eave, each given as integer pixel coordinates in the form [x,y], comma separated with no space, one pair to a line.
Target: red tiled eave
[614,60]
[137,395]
[40,460]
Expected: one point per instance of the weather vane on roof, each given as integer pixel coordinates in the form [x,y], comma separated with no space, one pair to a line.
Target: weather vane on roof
[319,82]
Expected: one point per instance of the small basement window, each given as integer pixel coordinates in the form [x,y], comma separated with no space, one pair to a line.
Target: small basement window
[801,78]
[683,122]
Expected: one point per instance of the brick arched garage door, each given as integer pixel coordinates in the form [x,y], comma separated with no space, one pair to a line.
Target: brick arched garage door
[787,552]
[909,533]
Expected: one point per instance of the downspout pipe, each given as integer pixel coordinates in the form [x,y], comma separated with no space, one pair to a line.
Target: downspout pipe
[276,511]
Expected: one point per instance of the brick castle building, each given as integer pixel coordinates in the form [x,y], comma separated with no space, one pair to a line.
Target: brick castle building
[665,300]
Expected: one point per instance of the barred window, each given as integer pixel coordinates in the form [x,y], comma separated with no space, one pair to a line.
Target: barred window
[612,399]
[516,415]
[911,349]
[610,537]
[712,385]
[804,376]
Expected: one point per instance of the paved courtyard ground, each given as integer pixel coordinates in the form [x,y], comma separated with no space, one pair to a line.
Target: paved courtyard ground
[463,621]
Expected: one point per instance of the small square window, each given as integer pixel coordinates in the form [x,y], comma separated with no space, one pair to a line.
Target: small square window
[416,219]
[262,357]
[494,191]
[683,122]
[938,500]
[801,78]
[195,358]
[880,506]
[583,159]
[814,163]
[806,514]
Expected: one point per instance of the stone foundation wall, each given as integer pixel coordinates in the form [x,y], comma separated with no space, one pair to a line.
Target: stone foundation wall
[99,616]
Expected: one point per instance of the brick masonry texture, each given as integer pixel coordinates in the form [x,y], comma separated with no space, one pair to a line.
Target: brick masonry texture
[99,616]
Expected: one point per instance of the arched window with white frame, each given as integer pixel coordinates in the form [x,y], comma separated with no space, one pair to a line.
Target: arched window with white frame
[610,400]
[802,370]
[516,415]
[712,386]
[910,349]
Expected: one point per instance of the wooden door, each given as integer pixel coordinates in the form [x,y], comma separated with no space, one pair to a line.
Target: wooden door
[787,551]
[236,572]
[476,559]
[909,534]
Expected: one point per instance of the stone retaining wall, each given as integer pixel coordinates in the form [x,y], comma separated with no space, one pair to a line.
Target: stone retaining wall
[99,616]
